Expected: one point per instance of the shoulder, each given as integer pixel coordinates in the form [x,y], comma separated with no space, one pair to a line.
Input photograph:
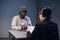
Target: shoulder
[27,17]
[17,16]
[53,23]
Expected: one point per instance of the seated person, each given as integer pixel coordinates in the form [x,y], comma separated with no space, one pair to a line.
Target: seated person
[46,29]
[21,21]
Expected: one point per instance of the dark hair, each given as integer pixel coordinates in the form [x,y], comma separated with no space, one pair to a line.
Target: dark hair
[47,12]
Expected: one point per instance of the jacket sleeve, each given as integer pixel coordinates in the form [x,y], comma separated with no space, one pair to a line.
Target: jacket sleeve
[34,33]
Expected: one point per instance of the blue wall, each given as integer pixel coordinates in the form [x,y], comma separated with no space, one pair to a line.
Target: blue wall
[9,8]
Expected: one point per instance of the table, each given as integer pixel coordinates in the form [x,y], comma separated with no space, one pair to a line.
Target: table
[17,35]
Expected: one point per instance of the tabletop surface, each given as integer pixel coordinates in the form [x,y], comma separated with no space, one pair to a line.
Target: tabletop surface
[18,34]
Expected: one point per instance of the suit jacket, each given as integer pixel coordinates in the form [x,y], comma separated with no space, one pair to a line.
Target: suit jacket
[47,30]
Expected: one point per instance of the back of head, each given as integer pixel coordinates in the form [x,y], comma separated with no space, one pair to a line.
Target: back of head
[46,11]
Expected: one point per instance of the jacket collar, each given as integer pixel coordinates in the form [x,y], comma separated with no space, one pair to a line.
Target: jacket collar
[45,21]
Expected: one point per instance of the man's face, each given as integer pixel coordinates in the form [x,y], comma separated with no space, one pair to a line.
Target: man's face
[22,14]
[40,16]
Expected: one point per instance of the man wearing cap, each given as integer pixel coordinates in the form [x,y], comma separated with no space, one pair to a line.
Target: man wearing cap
[21,21]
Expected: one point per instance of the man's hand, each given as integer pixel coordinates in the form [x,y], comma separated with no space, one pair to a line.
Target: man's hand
[24,27]
[27,30]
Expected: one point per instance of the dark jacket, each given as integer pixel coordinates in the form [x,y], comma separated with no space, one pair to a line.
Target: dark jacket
[47,30]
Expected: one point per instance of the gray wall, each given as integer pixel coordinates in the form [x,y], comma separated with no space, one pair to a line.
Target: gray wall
[55,6]
[9,8]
